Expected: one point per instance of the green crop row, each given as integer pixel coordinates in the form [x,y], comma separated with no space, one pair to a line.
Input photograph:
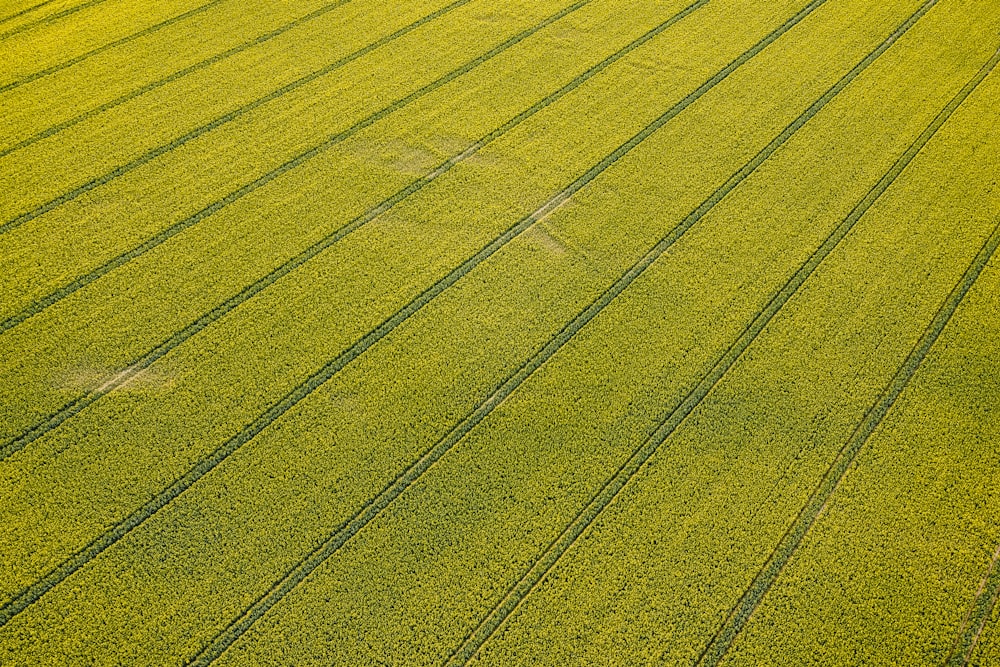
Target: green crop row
[984,642]
[111,46]
[220,379]
[317,315]
[44,41]
[903,545]
[20,11]
[439,134]
[217,262]
[42,15]
[44,102]
[255,95]
[490,286]
[210,407]
[656,575]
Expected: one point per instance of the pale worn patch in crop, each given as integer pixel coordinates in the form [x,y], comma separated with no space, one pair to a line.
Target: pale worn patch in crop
[101,378]
[547,239]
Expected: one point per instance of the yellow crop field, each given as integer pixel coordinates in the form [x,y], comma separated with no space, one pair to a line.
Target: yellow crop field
[499,333]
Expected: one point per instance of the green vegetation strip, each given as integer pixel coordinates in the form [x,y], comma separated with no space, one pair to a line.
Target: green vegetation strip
[371,509]
[792,538]
[300,159]
[27,10]
[236,113]
[613,486]
[179,74]
[49,19]
[979,614]
[32,593]
[75,406]
[107,47]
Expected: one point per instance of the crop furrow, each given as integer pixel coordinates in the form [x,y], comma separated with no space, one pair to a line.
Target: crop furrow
[300,159]
[110,45]
[613,486]
[49,19]
[226,118]
[32,593]
[979,615]
[27,10]
[790,541]
[375,506]
[179,74]
[75,406]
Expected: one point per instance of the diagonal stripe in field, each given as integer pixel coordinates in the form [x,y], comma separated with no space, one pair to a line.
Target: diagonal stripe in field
[35,591]
[26,10]
[73,407]
[218,122]
[293,163]
[541,566]
[107,47]
[170,78]
[789,543]
[371,509]
[979,614]
[47,19]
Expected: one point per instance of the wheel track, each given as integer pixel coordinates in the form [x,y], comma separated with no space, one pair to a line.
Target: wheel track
[47,19]
[159,83]
[224,119]
[107,47]
[416,470]
[78,404]
[518,592]
[790,541]
[35,591]
[297,161]
[28,10]
[978,616]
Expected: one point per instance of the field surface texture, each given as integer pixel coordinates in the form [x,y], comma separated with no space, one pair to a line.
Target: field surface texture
[519,332]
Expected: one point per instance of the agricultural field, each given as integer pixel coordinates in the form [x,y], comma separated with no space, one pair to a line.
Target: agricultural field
[500,333]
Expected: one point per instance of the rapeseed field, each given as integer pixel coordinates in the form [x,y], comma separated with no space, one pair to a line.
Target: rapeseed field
[499,333]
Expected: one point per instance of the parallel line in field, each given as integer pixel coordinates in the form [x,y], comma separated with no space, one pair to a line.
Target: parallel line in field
[159,83]
[300,159]
[49,19]
[110,45]
[790,541]
[979,614]
[145,361]
[25,11]
[32,593]
[536,573]
[218,122]
[418,468]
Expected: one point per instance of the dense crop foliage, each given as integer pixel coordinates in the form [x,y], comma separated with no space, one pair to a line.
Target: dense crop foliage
[472,332]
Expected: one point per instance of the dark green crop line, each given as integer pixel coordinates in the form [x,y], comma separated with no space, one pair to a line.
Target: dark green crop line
[110,45]
[220,121]
[50,422]
[790,541]
[521,589]
[303,568]
[49,19]
[300,159]
[32,593]
[389,493]
[73,407]
[26,11]
[179,74]
[979,615]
